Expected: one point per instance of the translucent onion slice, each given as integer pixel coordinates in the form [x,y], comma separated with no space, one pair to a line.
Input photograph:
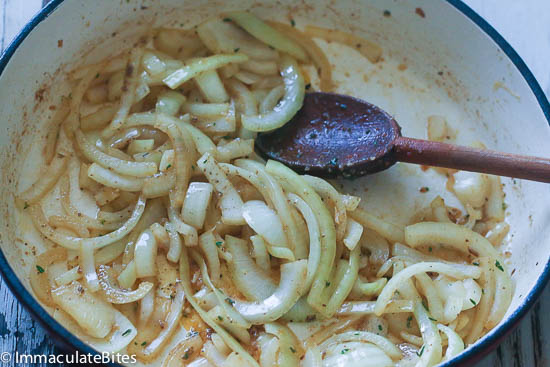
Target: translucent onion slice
[432,349]
[449,234]
[208,245]
[69,276]
[223,37]
[92,314]
[287,107]
[111,179]
[145,253]
[356,354]
[267,34]
[159,185]
[73,243]
[455,345]
[281,301]
[314,237]
[290,350]
[231,203]
[124,332]
[293,182]
[227,338]
[197,200]
[364,336]
[189,233]
[47,179]
[38,275]
[275,194]
[315,53]
[390,231]
[264,221]
[367,307]
[261,255]
[353,234]
[119,296]
[172,321]
[87,263]
[457,271]
[187,349]
[197,66]
[137,169]
[211,86]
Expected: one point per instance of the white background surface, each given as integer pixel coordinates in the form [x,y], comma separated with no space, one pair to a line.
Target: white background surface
[525,24]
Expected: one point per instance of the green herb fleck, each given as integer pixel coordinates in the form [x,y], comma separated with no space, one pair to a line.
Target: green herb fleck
[97,75]
[497,264]
[424,189]
[420,352]
[345,350]
[127,332]
[387,13]
[26,205]
[380,327]
[227,19]
[220,318]
[40,269]
[308,85]
[292,350]
[230,301]
[482,290]
[186,355]
[409,319]
[473,302]
[236,49]
[102,221]
[219,243]
[504,206]
[144,344]
[356,334]
[430,249]
[327,284]
[193,167]
[168,166]
[431,318]
[475,263]
[292,23]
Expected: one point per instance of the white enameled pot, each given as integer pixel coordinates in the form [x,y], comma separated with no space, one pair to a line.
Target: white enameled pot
[439,58]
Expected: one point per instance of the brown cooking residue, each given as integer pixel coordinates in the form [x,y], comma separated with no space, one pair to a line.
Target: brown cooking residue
[420,12]
[402,67]
[39,95]
[59,43]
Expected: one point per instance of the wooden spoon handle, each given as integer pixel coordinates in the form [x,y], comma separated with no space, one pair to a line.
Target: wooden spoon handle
[433,153]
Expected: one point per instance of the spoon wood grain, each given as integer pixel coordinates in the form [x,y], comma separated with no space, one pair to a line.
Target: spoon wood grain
[335,135]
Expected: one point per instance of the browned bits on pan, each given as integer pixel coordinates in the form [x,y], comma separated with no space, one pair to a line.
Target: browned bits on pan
[59,43]
[420,12]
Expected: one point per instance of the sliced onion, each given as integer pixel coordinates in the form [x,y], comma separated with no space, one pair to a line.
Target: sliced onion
[196,203]
[146,306]
[455,345]
[38,275]
[262,31]
[137,169]
[124,332]
[290,350]
[231,203]
[186,349]
[174,252]
[284,297]
[353,234]
[145,253]
[47,179]
[265,222]
[228,339]
[73,243]
[390,231]
[207,243]
[292,182]
[69,276]
[457,271]
[119,296]
[260,253]
[172,321]
[111,179]
[287,107]
[87,263]
[367,307]
[92,314]
[431,354]
[364,336]
[197,66]
[188,232]
[128,277]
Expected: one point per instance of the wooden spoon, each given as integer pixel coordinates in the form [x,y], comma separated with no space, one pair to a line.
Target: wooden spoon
[336,135]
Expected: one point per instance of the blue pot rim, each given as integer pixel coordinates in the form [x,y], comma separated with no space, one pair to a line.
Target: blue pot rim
[472,353]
